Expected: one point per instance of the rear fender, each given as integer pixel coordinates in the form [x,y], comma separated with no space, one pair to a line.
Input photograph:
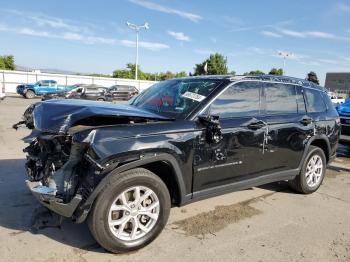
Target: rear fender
[322,137]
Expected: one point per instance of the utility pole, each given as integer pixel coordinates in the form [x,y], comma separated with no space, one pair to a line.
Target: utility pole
[137,28]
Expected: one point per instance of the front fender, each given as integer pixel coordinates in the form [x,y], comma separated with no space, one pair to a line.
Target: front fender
[84,209]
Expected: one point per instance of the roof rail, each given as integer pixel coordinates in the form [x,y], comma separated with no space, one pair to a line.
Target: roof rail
[286,79]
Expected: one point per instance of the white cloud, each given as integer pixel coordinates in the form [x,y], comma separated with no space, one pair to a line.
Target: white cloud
[53,22]
[292,33]
[312,34]
[168,10]
[271,34]
[147,45]
[319,34]
[44,21]
[31,32]
[72,36]
[179,36]
[86,39]
[328,61]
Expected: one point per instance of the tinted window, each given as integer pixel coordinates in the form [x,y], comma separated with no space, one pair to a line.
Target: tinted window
[280,98]
[239,100]
[314,101]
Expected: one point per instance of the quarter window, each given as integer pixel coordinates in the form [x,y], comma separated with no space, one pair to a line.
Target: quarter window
[239,100]
[314,101]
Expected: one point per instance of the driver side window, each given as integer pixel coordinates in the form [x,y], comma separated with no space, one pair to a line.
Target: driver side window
[239,100]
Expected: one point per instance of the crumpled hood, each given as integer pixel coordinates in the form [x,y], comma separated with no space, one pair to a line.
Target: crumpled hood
[59,115]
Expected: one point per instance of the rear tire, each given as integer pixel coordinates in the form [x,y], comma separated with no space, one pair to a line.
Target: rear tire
[29,94]
[116,211]
[312,172]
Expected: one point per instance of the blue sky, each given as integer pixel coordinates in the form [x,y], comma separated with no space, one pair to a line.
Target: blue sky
[91,36]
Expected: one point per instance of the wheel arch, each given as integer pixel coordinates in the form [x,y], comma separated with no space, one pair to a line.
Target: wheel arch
[320,141]
[29,89]
[156,164]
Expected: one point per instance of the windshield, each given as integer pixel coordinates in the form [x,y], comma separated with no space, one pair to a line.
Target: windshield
[175,98]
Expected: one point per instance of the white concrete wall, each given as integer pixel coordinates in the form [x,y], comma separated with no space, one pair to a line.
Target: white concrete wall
[10,79]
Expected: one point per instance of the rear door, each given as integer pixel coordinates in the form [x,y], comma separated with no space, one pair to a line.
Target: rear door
[289,126]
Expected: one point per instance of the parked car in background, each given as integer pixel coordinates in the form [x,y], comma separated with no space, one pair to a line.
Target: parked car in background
[87,92]
[123,92]
[39,88]
[344,114]
[336,100]
[2,93]
[122,167]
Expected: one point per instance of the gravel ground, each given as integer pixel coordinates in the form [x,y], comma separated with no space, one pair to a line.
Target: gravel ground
[267,223]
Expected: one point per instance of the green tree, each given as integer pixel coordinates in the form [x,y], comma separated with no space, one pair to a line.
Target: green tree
[129,73]
[216,64]
[254,73]
[7,62]
[2,64]
[313,78]
[275,71]
[181,74]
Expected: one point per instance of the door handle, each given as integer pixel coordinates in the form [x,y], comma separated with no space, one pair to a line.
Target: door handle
[257,125]
[306,121]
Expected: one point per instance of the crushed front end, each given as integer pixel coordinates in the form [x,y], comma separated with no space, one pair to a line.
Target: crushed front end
[63,165]
[60,172]
[56,167]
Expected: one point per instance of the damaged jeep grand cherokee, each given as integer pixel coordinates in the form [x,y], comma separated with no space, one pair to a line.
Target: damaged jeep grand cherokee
[122,167]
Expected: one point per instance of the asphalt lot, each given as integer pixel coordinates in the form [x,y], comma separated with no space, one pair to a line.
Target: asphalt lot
[268,223]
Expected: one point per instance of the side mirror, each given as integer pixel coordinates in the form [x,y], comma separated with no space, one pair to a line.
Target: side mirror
[212,124]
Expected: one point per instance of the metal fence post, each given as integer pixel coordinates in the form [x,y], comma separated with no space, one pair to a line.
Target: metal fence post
[3,80]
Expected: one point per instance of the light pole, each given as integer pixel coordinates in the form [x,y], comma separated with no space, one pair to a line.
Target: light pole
[285,55]
[137,28]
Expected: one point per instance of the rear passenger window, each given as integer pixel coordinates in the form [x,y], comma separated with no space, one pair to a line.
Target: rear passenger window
[314,101]
[280,99]
[239,100]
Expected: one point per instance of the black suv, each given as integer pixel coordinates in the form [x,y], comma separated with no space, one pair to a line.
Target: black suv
[86,92]
[123,92]
[124,166]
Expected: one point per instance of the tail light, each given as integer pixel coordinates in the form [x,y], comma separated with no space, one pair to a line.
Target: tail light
[337,120]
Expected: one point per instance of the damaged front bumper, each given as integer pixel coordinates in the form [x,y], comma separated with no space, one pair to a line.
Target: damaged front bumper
[46,196]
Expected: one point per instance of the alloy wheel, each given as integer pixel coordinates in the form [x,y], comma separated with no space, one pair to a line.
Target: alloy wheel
[133,213]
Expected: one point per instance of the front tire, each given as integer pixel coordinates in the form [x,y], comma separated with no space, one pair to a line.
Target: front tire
[312,172]
[29,94]
[130,212]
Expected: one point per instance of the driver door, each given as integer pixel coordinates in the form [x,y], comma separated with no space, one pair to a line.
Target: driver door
[239,154]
